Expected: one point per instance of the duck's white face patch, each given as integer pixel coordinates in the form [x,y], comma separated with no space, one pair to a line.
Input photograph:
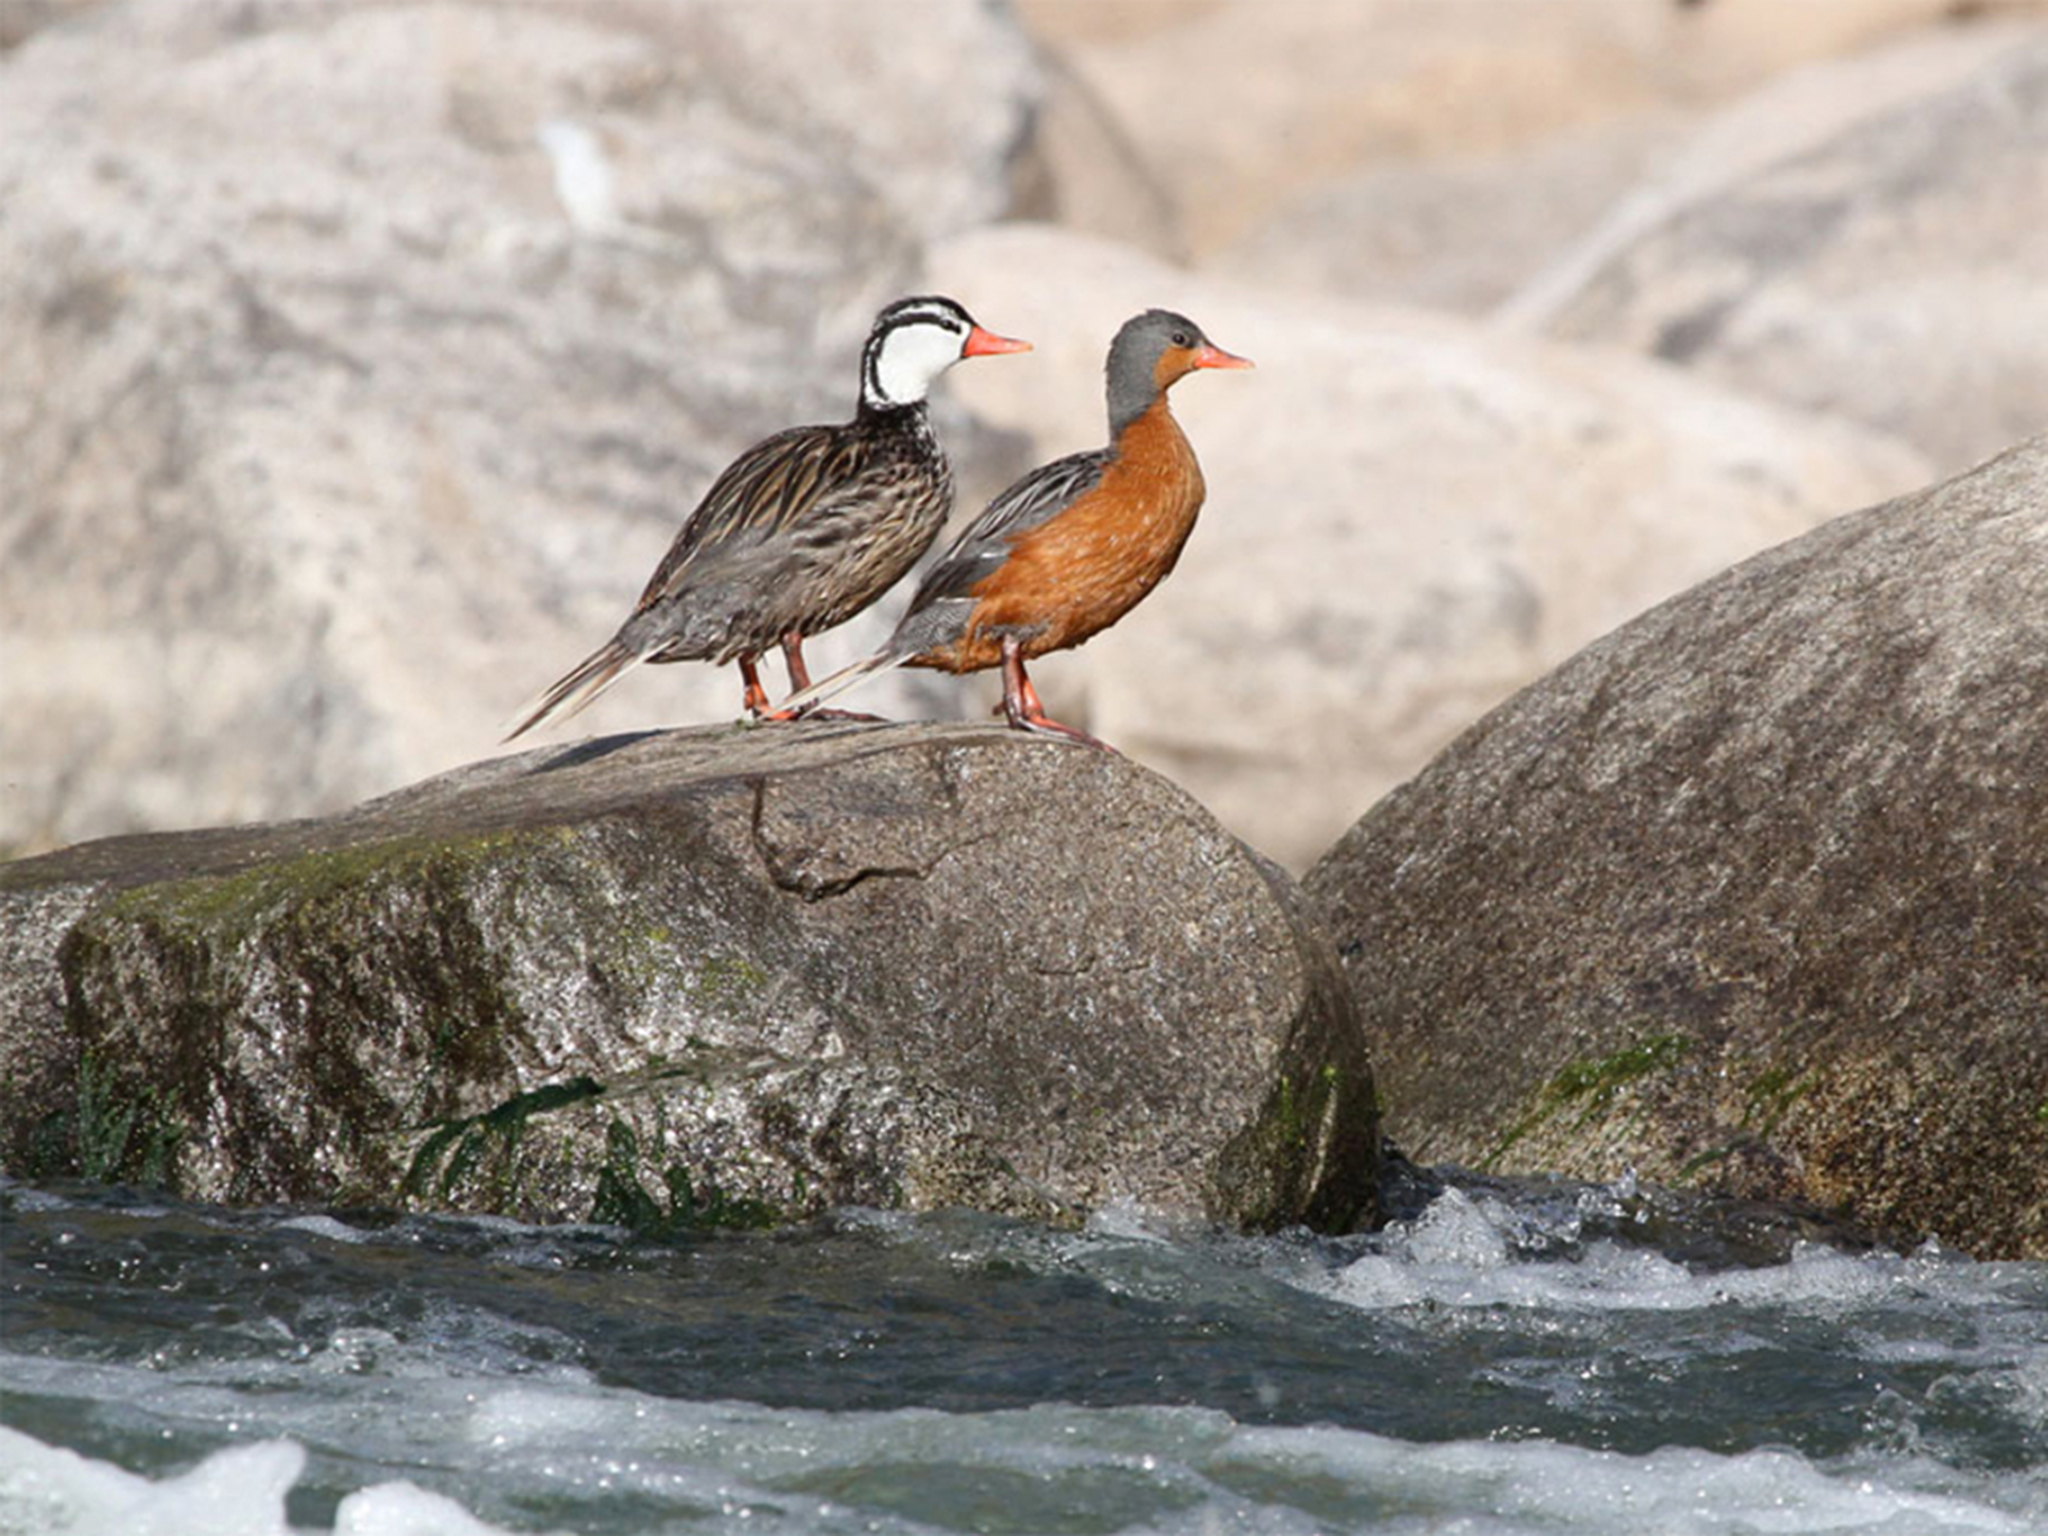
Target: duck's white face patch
[910,357]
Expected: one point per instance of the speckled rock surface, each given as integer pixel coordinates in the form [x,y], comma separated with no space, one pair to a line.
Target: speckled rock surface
[1752,894]
[708,975]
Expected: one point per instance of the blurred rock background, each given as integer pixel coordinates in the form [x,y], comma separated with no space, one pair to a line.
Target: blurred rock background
[358,360]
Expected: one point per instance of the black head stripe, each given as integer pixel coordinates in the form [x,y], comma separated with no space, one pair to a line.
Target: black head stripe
[932,310]
[926,309]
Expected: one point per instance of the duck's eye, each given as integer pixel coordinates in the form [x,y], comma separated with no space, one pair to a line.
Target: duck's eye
[1183,339]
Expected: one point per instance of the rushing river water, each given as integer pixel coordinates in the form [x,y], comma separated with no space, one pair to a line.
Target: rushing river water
[1493,1365]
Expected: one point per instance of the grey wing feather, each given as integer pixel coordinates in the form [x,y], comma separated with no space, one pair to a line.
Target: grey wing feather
[985,543]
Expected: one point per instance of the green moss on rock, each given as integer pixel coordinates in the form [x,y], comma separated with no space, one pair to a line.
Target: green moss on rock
[692,1205]
[1307,1157]
[117,1130]
[653,979]
[1591,1088]
[456,1150]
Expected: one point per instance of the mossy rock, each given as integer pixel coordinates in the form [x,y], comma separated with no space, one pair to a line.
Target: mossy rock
[1751,896]
[707,977]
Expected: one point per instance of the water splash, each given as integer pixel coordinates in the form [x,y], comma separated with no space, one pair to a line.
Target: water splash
[1489,1364]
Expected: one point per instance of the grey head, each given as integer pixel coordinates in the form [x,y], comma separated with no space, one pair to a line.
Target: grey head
[1151,351]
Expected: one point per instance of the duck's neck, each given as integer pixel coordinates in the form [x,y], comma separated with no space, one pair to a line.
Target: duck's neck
[896,416]
[1131,399]
[1154,458]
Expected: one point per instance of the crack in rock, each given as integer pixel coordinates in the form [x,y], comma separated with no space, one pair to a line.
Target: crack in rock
[786,871]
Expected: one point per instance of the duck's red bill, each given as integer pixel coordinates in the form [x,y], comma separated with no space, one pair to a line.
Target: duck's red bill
[982,343]
[1212,356]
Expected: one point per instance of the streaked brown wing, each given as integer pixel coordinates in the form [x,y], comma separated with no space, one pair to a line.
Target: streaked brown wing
[762,497]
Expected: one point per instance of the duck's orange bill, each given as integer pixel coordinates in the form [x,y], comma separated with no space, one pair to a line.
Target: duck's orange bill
[982,343]
[1212,356]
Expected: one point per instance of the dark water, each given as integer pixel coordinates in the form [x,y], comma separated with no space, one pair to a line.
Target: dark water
[1494,1365]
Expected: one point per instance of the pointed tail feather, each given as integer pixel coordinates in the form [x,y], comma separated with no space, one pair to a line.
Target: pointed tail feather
[804,701]
[579,688]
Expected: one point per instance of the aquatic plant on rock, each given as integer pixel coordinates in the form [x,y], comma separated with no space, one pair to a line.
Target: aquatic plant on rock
[1750,896]
[707,976]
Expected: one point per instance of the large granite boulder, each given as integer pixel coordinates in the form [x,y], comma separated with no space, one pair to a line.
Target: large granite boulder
[361,360]
[718,975]
[1291,95]
[22,19]
[1751,894]
[1409,517]
[1864,238]
[1300,97]
[1463,234]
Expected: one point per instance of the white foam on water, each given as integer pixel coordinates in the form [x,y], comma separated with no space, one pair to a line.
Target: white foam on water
[27,1199]
[400,1509]
[235,1492]
[1540,1487]
[1461,1253]
[473,1418]
[2028,1386]
[567,1445]
[1129,1219]
[240,1491]
[316,1225]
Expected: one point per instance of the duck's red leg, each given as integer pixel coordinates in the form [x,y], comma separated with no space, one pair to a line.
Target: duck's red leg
[793,658]
[1020,700]
[755,697]
[799,680]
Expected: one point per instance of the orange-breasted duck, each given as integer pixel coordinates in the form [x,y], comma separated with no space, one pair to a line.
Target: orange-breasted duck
[1070,548]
